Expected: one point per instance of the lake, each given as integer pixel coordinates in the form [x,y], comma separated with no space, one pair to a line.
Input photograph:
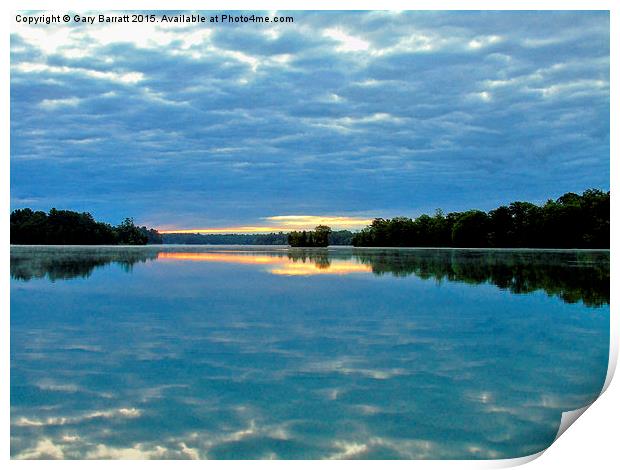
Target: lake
[218,352]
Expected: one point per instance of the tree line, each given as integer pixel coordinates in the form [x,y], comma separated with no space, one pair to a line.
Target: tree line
[224,238]
[571,221]
[63,227]
[338,237]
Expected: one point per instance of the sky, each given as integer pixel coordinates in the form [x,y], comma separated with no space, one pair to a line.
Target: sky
[336,118]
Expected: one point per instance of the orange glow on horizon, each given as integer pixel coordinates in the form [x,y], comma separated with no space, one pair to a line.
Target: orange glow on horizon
[282,266]
[283,223]
[228,230]
[311,221]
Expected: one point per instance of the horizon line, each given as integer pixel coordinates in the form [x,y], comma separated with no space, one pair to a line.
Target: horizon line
[242,230]
[285,223]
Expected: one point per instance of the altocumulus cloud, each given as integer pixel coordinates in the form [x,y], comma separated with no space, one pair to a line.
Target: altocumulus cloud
[340,114]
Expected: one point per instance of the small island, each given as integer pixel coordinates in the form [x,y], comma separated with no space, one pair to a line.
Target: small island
[317,238]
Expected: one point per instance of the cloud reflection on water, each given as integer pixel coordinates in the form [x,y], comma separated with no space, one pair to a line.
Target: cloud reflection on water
[421,358]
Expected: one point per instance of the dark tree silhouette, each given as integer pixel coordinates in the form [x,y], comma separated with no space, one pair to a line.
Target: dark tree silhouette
[318,238]
[471,230]
[62,227]
[571,221]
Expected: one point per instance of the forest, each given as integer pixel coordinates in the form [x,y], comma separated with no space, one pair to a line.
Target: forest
[63,227]
[337,237]
[571,221]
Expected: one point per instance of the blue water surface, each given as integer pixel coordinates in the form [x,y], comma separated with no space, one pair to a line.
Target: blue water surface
[272,352]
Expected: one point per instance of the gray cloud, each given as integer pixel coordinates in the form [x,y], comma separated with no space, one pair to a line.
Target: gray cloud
[341,112]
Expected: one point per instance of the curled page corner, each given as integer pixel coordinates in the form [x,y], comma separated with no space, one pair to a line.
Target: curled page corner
[568,418]
[517,461]
[613,357]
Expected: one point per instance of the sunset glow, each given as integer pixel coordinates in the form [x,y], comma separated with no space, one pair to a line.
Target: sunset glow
[282,266]
[308,222]
[219,258]
[284,223]
[300,268]
[223,230]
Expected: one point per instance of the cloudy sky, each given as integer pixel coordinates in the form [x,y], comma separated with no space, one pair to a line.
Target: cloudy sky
[346,115]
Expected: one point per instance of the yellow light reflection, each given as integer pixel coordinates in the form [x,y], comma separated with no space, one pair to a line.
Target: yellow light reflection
[218,257]
[306,269]
[282,266]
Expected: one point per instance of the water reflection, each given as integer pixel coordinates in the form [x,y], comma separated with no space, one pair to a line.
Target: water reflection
[219,353]
[292,264]
[60,263]
[572,276]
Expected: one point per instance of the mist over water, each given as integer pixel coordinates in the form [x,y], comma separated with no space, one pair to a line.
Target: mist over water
[254,352]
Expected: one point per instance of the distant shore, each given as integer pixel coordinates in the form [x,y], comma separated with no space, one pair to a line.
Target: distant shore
[572,221]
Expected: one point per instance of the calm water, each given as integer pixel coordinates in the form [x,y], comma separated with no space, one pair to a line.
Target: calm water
[246,352]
